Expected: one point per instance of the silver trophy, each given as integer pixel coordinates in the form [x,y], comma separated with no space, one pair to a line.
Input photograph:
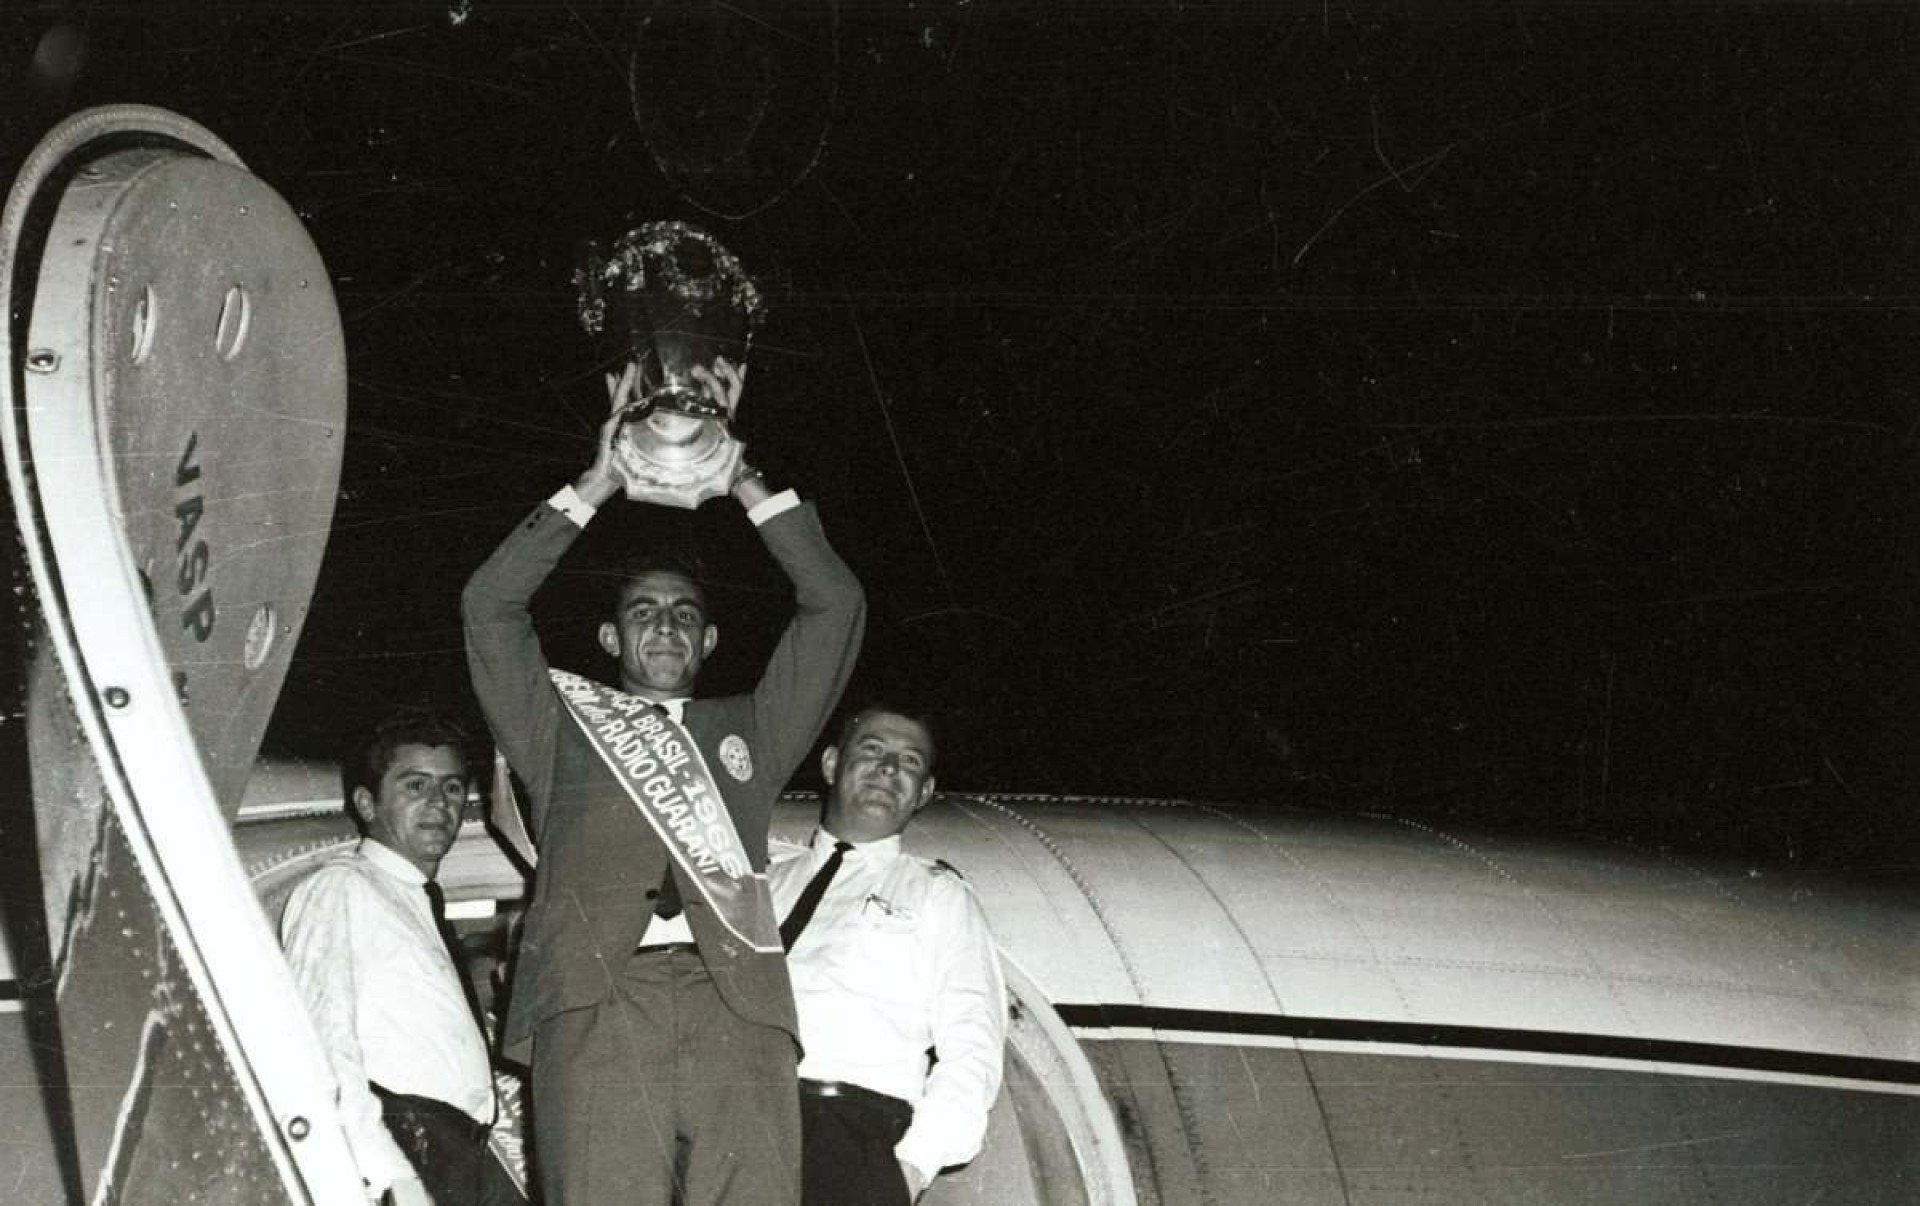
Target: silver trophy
[670,298]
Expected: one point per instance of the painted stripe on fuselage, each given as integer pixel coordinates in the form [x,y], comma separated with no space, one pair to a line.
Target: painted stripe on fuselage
[1093,1022]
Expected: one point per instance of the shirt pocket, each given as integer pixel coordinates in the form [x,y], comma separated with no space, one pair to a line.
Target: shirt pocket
[884,958]
[880,916]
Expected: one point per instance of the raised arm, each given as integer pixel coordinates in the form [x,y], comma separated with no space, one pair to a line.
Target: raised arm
[815,656]
[504,658]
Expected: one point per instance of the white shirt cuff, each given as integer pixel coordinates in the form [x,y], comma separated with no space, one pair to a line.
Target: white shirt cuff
[767,508]
[909,1153]
[578,509]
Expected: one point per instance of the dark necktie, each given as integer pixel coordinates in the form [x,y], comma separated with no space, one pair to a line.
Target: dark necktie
[810,896]
[437,907]
[666,904]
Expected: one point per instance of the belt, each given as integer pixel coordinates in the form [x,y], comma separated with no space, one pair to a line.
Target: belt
[662,948]
[853,1092]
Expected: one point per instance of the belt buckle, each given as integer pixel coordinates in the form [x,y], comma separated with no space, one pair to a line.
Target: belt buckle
[664,948]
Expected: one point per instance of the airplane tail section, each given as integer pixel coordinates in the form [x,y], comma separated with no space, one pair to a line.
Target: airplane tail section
[173,429]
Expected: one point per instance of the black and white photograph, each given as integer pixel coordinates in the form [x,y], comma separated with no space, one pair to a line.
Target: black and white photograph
[1046,603]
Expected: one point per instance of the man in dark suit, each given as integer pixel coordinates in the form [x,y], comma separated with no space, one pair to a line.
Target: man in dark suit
[650,992]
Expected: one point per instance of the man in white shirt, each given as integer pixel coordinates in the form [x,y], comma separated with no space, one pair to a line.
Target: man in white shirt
[890,957]
[363,939]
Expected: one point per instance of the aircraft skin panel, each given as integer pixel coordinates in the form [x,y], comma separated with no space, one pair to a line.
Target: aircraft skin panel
[181,1127]
[230,523]
[1293,883]
[1440,1132]
[1008,862]
[1367,919]
[136,1096]
[1164,913]
[1470,1132]
[1433,907]
[1193,1139]
[1832,918]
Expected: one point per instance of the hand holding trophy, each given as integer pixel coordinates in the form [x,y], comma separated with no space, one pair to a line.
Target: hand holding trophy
[682,317]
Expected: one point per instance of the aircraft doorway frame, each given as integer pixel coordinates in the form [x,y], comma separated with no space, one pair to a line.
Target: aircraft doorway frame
[100,628]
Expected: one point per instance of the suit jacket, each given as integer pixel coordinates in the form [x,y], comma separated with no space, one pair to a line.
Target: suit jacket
[599,859]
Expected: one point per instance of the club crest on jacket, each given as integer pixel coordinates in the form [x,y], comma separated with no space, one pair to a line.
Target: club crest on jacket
[736,758]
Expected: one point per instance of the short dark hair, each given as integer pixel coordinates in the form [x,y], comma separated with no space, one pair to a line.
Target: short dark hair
[851,718]
[407,726]
[658,562]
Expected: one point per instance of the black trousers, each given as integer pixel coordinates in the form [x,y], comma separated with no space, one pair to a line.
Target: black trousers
[847,1135]
[447,1148]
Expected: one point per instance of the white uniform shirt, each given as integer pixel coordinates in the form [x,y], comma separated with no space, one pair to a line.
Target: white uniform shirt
[898,959]
[385,997]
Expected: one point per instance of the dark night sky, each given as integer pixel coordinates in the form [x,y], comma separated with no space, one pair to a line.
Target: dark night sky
[1493,414]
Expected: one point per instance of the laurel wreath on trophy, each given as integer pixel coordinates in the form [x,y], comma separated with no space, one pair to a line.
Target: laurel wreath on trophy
[673,300]
[671,258]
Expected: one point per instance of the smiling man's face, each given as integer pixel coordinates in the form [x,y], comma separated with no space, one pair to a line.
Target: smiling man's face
[416,812]
[660,635]
[877,777]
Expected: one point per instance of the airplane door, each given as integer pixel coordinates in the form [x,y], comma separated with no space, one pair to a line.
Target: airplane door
[1052,1139]
[173,429]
